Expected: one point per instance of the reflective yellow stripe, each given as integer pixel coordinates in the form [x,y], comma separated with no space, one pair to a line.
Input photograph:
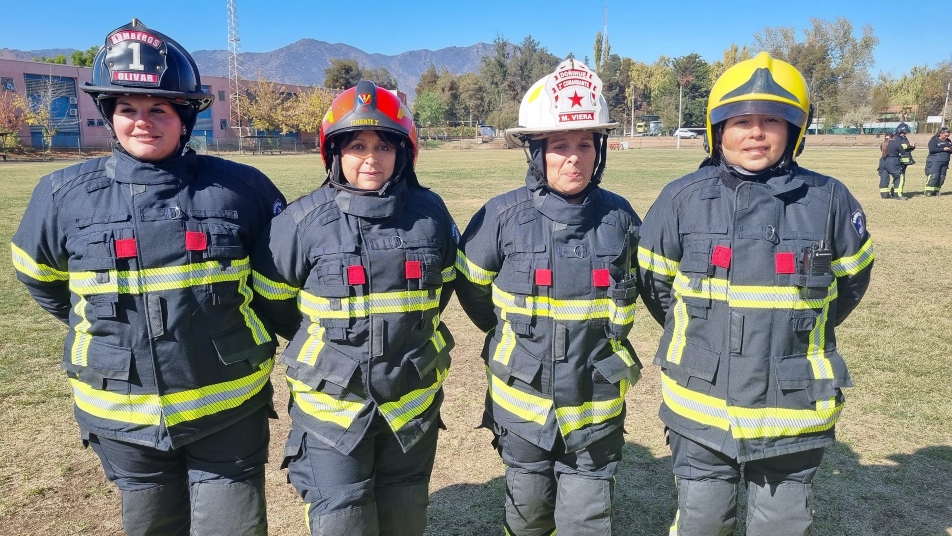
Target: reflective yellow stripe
[313,345]
[746,423]
[30,268]
[523,405]
[572,418]
[678,338]
[210,399]
[399,412]
[619,349]
[157,279]
[449,274]
[473,272]
[564,310]
[324,407]
[855,263]
[258,331]
[79,351]
[176,407]
[657,263]
[271,289]
[506,344]
[438,341]
[748,296]
[133,409]
[406,301]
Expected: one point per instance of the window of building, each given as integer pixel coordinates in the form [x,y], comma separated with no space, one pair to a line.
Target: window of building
[221,96]
[224,124]
[8,84]
[90,122]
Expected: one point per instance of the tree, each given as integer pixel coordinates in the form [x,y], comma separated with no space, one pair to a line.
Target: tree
[858,117]
[380,76]
[428,109]
[308,108]
[472,97]
[428,80]
[85,58]
[732,56]
[693,82]
[493,71]
[599,40]
[265,104]
[58,60]
[37,107]
[342,74]
[11,119]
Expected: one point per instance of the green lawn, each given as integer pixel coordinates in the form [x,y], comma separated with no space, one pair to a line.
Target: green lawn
[891,472]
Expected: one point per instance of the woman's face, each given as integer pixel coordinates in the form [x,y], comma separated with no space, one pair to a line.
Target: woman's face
[148,128]
[570,161]
[367,161]
[755,141]
[944,135]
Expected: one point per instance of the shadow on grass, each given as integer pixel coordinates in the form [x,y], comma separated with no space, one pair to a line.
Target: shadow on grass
[644,503]
[903,495]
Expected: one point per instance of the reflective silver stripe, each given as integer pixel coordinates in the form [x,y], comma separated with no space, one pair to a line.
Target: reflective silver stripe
[362,306]
[572,418]
[855,263]
[270,289]
[157,279]
[564,310]
[526,406]
[324,407]
[79,351]
[449,274]
[134,409]
[401,412]
[210,399]
[657,263]
[30,268]
[472,271]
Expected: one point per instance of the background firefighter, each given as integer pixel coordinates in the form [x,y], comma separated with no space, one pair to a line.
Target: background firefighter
[144,254]
[749,281]
[937,163]
[548,272]
[356,275]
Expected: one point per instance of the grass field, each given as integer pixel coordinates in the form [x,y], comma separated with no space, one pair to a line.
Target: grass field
[890,473]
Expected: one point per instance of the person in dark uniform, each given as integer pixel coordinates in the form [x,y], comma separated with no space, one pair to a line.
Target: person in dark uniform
[749,263]
[356,275]
[892,176]
[937,163]
[548,271]
[144,254]
[884,176]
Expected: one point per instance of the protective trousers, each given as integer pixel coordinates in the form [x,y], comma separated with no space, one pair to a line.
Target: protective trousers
[779,491]
[549,490]
[936,180]
[886,189]
[213,486]
[376,489]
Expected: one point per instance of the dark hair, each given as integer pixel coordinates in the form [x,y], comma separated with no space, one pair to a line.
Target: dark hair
[342,139]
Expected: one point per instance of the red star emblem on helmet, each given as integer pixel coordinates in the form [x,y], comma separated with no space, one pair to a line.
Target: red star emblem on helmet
[576,99]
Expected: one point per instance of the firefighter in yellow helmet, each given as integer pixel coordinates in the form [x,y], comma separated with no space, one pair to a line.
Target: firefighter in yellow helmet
[749,263]
[548,271]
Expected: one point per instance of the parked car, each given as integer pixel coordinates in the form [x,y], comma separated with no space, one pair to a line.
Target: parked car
[684,133]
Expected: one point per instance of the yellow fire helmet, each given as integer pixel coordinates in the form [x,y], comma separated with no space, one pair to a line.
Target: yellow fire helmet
[762,85]
[568,99]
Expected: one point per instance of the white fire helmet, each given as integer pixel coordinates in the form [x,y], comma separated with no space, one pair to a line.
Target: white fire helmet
[568,99]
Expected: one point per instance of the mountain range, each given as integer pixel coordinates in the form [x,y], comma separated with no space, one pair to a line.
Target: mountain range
[303,62]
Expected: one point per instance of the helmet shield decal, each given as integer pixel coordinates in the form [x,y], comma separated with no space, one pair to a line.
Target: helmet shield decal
[761,82]
[135,58]
[574,90]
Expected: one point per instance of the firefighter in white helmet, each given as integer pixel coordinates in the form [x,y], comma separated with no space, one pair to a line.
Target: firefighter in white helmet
[549,272]
[749,263]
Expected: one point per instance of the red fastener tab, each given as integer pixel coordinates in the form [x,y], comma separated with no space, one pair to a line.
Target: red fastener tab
[786,263]
[721,256]
[414,270]
[196,241]
[601,277]
[125,248]
[543,277]
[356,275]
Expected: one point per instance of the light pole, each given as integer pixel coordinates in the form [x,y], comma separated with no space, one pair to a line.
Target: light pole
[632,111]
[678,131]
[946,105]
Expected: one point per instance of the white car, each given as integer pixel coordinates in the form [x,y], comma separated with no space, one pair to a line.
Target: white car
[684,133]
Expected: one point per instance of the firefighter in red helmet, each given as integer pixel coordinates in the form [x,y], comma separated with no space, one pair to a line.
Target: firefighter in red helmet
[356,275]
[144,254]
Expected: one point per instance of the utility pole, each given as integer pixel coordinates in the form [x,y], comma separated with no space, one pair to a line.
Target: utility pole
[946,105]
[234,71]
[678,132]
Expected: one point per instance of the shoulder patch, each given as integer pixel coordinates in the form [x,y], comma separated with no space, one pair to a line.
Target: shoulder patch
[859,222]
[455,232]
[277,207]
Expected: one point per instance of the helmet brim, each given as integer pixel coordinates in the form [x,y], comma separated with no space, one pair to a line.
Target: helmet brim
[789,113]
[520,135]
[201,101]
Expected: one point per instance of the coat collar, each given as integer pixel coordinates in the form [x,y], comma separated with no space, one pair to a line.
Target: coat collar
[123,167]
[371,206]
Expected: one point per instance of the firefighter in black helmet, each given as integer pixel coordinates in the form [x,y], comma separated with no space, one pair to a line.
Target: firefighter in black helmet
[749,280]
[897,158]
[937,163]
[145,256]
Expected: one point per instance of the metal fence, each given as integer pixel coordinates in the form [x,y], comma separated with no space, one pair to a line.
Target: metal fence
[12,146]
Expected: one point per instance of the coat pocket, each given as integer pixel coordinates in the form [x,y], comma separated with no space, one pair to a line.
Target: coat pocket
[107,366]
[811,379]
[238,344]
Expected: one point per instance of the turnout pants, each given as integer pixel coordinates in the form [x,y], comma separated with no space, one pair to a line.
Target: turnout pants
[936,180]
[376,489]
[886,189]
[549,490]
[213,486]
[779,491]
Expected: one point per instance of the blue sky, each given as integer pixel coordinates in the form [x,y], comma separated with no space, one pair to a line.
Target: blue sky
[639,29]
